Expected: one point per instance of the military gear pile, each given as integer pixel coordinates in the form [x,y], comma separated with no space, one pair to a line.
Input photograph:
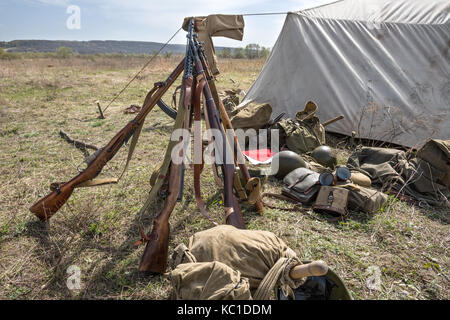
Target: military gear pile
[230,100]
[402,173]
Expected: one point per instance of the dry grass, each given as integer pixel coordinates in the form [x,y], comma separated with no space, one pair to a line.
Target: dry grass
[96,229]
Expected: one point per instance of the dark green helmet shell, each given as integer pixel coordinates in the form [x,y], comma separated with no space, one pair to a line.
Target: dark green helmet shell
[287,162]
[324,156]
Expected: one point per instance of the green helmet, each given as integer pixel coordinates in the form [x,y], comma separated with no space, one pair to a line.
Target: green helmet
[327,287]
[324,156]
[287,162]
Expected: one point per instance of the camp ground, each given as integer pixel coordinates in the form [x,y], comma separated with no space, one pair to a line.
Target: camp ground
[318,172]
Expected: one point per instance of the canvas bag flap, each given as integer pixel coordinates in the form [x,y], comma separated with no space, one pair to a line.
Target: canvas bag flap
[253,116]
[301,184]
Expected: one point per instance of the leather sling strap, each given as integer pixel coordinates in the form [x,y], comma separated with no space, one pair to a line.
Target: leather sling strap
[167,157]
[198,167]
[296,207]
[137,133]
[217,179]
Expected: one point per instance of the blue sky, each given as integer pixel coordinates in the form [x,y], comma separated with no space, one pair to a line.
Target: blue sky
[138,20]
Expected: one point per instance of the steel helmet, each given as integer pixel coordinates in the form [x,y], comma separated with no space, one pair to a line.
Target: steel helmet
[287,162]
[324,156]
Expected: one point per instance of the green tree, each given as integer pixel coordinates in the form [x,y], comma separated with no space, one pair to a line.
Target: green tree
[252,51]
[238,53]
[264,52]
[63,52]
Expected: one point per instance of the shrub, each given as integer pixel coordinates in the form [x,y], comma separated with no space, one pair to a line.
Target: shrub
[63,52]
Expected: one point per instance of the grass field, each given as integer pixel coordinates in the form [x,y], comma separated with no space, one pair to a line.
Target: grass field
[97,228]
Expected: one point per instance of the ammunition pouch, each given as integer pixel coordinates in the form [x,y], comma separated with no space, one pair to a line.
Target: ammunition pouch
[301,185]
[332,200]
[250,192]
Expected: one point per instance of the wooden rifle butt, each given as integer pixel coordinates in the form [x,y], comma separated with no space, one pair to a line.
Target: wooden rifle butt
[154,259]
[326,123]
[46,207]
[234,215]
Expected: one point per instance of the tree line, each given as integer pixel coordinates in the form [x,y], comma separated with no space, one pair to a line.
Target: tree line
[251,51]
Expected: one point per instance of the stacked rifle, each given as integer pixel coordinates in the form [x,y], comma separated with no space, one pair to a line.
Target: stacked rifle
[197,83]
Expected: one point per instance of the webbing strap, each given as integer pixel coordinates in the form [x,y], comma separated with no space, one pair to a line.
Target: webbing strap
[167,157]
[137,133]
[198,167]
[296,207]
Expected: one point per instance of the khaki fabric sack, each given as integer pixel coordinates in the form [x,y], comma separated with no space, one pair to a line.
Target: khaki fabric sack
[254,116]
[216,25]
[364,199]
[208,281]
[400,172]
[437,153]
[260,256]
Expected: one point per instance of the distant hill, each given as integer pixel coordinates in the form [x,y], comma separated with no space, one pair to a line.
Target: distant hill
[90,47]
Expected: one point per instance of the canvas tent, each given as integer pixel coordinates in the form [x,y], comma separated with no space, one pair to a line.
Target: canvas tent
[383,64]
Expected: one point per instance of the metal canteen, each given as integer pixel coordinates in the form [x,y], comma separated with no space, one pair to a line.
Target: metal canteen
[326,178]
[343,173]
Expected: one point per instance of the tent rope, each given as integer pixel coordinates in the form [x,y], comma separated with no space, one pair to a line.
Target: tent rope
[142,69]
[264,14]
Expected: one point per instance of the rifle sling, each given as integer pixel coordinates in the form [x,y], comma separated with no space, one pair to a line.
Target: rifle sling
[198,167]
[167,159]
[217,179]
[137,133]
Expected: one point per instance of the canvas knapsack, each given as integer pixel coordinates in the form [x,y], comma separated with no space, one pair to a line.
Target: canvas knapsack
[304,133]
[261,258]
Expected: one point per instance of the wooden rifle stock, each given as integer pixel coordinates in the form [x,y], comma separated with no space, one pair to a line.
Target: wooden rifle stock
[49,205]
[154,259]
[232,210]
[326,123]
[227,124]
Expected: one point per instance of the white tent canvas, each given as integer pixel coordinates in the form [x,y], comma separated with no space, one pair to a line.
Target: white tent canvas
[383,64]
